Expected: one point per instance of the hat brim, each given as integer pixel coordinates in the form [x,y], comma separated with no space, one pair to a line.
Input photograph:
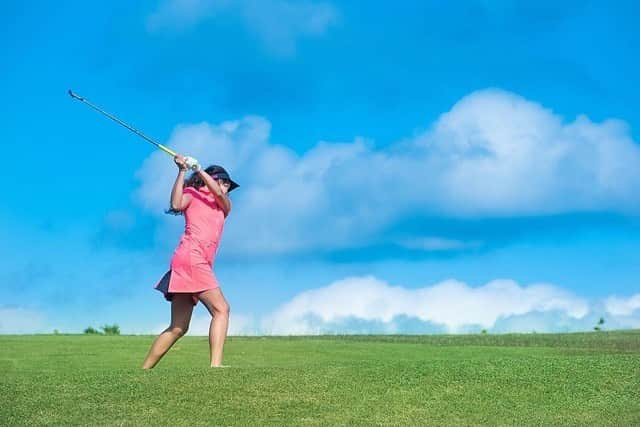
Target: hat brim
[223,175]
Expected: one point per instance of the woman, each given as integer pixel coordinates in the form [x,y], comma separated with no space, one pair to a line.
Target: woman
[204,201]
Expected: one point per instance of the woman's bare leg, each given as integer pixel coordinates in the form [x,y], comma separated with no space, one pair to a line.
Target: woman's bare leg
[219,309]
[181,309]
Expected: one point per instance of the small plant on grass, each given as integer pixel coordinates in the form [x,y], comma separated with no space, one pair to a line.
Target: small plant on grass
[111,329]
[91,331]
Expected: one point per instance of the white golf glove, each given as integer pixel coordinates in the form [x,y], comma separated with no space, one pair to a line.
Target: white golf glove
[192,164]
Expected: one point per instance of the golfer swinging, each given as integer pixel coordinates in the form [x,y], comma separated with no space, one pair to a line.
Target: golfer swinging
[204,201]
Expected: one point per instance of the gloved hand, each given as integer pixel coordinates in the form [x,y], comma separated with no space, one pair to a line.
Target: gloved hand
[192,164]
[179,161]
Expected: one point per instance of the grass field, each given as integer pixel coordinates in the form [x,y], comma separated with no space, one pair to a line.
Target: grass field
[537,379]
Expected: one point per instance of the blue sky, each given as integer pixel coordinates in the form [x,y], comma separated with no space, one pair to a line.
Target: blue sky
[480,158]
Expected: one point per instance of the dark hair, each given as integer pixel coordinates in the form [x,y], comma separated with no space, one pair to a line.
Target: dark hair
[194,181]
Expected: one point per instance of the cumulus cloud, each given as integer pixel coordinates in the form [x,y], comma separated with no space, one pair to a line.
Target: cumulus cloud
[506,155]
[279,24]
[451,304]
[493,155]
[623,306]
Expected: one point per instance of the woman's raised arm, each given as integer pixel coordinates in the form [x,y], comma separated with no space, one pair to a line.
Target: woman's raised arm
[179,201]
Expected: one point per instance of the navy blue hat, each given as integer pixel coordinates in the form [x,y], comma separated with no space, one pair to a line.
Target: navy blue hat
[218,172]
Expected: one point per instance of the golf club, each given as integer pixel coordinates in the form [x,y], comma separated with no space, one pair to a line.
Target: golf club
[191,162]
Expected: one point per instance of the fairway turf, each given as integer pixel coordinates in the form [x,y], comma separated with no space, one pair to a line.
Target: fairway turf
[532,379]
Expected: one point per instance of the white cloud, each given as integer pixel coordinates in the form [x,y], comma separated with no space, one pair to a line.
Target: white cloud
[279,24]
[451,304]
[19,320]
[506,155]
[622,306]
[494,154]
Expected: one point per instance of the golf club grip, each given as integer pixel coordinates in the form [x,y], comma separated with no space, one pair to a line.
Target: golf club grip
[120,122]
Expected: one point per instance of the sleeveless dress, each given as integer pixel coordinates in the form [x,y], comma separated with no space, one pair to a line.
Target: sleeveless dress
[191,267]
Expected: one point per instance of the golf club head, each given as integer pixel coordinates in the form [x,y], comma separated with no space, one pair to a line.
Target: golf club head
[74,95]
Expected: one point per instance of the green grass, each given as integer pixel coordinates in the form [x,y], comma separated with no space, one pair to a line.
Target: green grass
[534,379]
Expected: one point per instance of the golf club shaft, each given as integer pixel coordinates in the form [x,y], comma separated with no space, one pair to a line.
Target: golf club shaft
[117,120]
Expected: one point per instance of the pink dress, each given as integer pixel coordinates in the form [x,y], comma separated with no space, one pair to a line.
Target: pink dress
[191,269]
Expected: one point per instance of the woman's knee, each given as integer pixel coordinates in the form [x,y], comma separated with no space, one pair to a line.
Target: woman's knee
[177,330]
[222,309]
